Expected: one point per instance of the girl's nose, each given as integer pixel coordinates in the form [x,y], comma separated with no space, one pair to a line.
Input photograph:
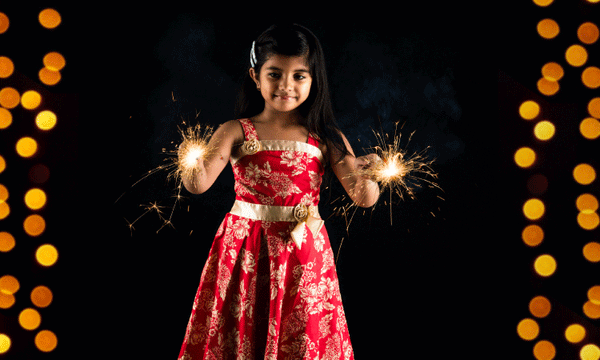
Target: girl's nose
[285,83]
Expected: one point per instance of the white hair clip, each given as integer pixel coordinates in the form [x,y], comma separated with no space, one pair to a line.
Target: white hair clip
[252,55]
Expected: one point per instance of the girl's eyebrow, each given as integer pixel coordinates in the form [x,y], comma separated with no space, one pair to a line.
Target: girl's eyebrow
[278,69]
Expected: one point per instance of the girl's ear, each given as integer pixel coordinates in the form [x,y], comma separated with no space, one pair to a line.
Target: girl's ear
[254,77]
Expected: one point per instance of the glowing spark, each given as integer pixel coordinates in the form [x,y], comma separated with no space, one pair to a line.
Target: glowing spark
[192,149]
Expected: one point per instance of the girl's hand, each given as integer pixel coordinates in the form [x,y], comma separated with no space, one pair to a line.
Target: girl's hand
[366,162]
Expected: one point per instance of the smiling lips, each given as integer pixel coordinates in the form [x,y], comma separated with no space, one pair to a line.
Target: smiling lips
[284,97]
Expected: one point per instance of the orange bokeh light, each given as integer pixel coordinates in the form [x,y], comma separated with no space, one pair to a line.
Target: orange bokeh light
[588,33]
[548,28]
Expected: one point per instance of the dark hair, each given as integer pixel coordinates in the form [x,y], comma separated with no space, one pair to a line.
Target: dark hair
[317,110]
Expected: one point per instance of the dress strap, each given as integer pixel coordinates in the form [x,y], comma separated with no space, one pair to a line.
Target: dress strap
[312,140]
[249,130]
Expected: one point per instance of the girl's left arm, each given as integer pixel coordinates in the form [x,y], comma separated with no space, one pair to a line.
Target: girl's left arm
[362,190]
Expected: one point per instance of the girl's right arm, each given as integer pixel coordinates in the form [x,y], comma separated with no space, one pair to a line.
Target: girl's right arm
[221,144]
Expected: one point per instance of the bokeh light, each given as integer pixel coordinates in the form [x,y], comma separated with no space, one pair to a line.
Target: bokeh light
[588,220]
[591,252]
[553,71]
[548,28]
[39,174]
[49,18]
[590,128]
[544,350]
[529,110]
[6,300]
[575,333]
[4,23]
[2,164]
[588,33]
[35,199]
[41,296]
[584,174]
[532,235]
[46,341]
[30,319]
[576,55]
[46,255]
[5,341]
[34,225]
[594,294]
[544,130]
[594,107]
[7,241]
[545,265]
[6,67]
[534,209]
[591,77]
[31,99]
[586,203]
[9,98]
[547,87]
[543,2]
[4,210]
[9,284]
[54,61]
[537,184]
[26,147]
[49,76]
[591,310]
[540,306]
[525,157]
[590,352]
[528,329]
[5,118]
[3,193]
[45,120]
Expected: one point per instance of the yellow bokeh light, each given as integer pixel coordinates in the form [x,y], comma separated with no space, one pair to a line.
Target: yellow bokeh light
[6,67]
[49,76]
[590,128]
[588,33]
[591,251]
[547,87]
[5,118]
[576,55]
[532,235]
[529,110]
[594,107]
[4,23]
[30,319]
[54,61]
[543,2]
[594,294]
[544,350]
[31,99]
[575,333]
[41,296]
[35,199]
[588,220]
[9,284]
[34,225]
[553,71]
[26,147]
[544,130]
[46,255]
[528,329]
[590,352]
[7,241]
[584,174]
[534,209]
[591,77]
[586,203]
[540,306]
[49,18]
[45,120]
[46,341]
[545,265]
[548,28]
[3,193]
[2,164]
[9,98]
[591,310]
[4,210]
[4,339]
[524,157]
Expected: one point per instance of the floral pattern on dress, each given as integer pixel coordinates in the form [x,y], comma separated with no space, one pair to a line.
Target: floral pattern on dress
[260,297]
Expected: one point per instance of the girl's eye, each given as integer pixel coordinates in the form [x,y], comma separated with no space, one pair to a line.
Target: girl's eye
[300,77]
[274,75]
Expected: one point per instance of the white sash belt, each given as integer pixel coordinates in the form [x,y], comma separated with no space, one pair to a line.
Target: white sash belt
[305,216]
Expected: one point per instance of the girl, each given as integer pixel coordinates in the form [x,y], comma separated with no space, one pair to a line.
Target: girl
[269,289]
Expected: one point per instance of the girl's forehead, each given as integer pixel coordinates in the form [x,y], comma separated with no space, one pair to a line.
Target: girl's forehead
[287,62]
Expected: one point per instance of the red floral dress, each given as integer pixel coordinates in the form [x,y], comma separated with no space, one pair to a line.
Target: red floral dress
[266,293]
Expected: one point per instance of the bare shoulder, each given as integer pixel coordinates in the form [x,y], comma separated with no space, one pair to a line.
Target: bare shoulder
[231,131]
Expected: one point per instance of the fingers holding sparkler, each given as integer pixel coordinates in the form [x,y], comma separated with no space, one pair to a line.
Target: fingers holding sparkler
[191,154]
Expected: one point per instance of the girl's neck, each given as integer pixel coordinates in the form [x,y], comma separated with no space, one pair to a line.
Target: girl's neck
[279,118]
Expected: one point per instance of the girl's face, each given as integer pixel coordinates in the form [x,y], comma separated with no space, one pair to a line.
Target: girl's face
[284,82]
